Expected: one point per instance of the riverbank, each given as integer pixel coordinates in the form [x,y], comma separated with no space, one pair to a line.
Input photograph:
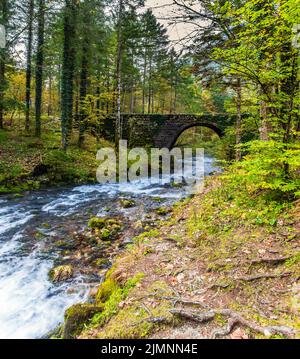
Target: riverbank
[224,264]
[51,235]
[29,163]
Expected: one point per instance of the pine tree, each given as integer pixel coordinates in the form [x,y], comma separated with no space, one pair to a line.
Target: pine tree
[68,67]
[3,22]
[29,65]
[39,67]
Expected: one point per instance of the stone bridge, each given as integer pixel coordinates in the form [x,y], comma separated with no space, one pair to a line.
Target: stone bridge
[161,130]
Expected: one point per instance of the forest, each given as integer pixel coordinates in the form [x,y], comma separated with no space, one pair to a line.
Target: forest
[221,263]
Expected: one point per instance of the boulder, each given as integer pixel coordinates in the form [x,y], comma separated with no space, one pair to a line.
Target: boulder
[61,273]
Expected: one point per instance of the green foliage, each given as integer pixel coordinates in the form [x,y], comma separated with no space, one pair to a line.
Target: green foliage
[62,166]
[27,162]
[270,166]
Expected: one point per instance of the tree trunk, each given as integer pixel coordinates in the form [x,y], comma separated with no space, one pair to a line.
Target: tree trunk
[149,85]
[28,65]
[144,82]
[118,134]
[50,97]
[98,92]
[238,133]
[83,92]
[68,65]
[4,13]
[107,86]
[39,68]
[2,87]
[264,128]
[132,98]
[132,88]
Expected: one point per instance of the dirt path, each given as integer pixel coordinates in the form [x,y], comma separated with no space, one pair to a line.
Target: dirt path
[244,288]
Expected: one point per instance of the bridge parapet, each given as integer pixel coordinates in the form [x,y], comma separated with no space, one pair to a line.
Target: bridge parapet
[155,130]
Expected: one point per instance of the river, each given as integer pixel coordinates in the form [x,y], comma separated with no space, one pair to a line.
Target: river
[30,305]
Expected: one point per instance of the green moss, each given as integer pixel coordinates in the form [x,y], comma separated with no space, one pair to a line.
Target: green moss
[162,211]
[96,222]
[177,185]
[146,235]
[28,163]
[158,199]
[111,294]
[105,290]
[130,321]
[127,203]
[102,262]
[56,333]
[75,318]
[294,260]
[105,228]
[147,251]
[105,234]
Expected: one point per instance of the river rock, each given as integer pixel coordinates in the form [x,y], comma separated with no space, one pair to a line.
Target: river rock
[61,273]
[105,228]
[127,203]
[97,223]
[126,241]
[75,318]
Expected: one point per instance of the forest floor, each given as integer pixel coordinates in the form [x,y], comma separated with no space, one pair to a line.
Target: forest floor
[217,267]
[28,163]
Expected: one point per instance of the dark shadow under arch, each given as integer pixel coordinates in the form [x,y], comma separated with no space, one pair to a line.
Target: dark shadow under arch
[197,124]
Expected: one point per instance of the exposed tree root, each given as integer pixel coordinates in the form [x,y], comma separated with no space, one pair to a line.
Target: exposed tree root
[217,286]
[194,316]
[184,301]
[262,276]
[271,261]
[234,319]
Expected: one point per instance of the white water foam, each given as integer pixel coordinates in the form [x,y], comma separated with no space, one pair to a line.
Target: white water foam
[12,217]
[29,304]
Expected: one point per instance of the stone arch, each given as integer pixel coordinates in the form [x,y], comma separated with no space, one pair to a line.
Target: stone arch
[169,135]
[200,124]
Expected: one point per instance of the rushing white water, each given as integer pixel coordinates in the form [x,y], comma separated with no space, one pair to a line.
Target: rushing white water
[30,305]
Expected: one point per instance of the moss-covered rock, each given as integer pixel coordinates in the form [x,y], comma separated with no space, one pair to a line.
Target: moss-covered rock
[105,229]
[127,203]
[55,333]
[75,318]
[102,262]
[105,290]
[96,222]
[61,273]
[163,211]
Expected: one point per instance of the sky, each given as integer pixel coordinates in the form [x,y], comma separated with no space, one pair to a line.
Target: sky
[163,9]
